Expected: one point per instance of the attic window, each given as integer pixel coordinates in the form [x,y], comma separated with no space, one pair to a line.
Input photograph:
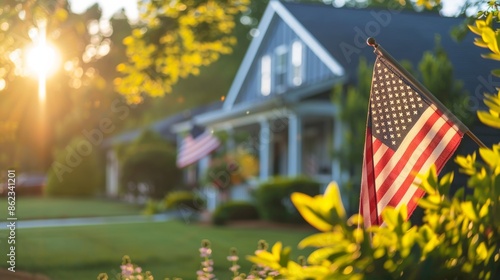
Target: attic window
[297,62]
[281,54]
[265,78]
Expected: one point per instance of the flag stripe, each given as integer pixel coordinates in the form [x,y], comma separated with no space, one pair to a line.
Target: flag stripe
[445,155]
[193,149]
[425,158]
[408,148]
[367,209]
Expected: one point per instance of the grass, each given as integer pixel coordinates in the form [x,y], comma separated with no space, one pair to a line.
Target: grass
[29,208]
[167,249]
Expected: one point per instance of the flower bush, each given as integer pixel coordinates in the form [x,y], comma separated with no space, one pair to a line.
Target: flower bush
[232,169]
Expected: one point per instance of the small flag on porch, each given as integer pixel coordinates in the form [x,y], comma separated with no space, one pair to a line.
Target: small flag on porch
[406,134]
[198,144]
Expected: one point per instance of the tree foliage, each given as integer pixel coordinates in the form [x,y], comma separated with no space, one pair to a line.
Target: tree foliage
[489,37]
[175,39]
[436,72]
[79,96]
[354,103]
[19,21]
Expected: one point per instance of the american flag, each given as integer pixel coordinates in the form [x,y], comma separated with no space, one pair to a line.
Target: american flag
[198,144]
[405,135]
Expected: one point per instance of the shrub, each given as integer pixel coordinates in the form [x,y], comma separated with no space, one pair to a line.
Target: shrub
[153,207]
[273,198]
[149,161]
[234,211]
[183,200]
[77,171]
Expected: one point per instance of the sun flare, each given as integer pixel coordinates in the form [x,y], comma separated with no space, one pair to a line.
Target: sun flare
[42,59]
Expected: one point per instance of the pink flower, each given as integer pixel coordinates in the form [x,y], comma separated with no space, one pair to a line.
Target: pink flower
[234,268]
[127,269]
[207,263]
[233,258]
[274,273]
[205,252]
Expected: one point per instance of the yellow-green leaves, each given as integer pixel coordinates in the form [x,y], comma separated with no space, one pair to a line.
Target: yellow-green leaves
[321,239]
[467,163]
[428,240]
[492,116]
[469,211]
[490,156]
[429,181]
[176,40]
[459,236]
[276,259]
[489,38]
[321,211]
[295,271]
[428,4]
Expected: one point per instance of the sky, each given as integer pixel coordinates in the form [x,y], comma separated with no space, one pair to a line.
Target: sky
[109,7]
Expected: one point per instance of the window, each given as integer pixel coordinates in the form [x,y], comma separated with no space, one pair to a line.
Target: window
[297,62]
[265,79]
[281,68]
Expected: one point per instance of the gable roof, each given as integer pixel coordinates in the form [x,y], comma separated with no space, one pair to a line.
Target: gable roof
[406,35]
[338,36]
[273,11]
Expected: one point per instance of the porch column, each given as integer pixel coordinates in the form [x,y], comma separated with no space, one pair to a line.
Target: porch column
[294,145]
[337,145]
[265,150]
[203,165]
[230,143]
[112,174]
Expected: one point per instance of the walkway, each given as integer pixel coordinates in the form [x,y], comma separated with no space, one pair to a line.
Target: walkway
[22,224]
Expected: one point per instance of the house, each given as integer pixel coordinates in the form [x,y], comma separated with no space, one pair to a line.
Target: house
[280,94]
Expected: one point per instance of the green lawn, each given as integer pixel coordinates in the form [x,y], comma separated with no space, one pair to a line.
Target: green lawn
[28,208]
[165,248]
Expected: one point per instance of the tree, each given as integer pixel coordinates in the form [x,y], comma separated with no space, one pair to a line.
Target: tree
[79,94]
[69,175]
[354,104]
[436,72]
[150,162]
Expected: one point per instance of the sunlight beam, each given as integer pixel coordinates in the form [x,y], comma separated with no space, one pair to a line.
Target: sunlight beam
[42,60]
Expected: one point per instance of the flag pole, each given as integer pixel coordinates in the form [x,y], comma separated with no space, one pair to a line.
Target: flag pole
[417,85]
